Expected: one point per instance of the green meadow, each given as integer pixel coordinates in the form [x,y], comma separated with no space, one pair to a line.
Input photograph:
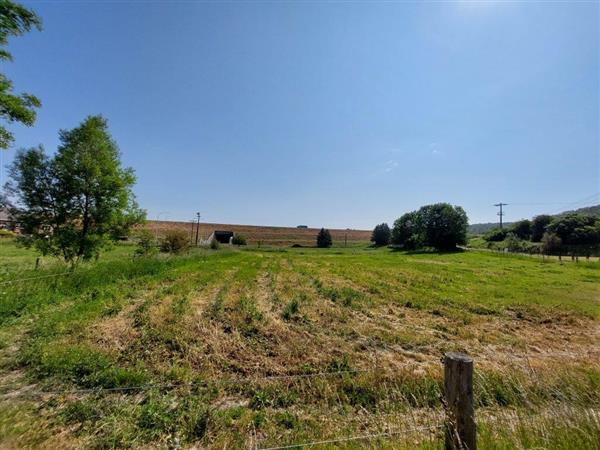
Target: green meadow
[257,348]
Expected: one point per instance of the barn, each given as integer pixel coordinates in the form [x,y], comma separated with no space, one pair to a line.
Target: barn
[222,237]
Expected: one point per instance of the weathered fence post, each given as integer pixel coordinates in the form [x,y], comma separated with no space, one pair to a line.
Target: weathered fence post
[458,396]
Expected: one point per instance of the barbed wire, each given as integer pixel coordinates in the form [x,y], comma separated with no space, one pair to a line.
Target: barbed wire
[254,378]
[355,438]
[36,278]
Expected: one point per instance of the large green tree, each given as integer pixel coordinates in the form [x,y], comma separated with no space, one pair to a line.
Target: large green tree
[15,20]
[73,204]
[440,225]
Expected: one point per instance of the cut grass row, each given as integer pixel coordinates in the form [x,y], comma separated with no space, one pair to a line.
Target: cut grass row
[222,320]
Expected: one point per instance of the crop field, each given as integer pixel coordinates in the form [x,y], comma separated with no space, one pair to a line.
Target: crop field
[268,348]
[265,235]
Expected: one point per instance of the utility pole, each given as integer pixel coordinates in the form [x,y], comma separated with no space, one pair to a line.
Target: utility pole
[501,213]
[197,227]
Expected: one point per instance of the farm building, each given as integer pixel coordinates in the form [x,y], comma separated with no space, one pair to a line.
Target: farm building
[222,237]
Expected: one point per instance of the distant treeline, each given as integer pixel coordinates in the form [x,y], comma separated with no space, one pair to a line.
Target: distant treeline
[482,228]
[566,233]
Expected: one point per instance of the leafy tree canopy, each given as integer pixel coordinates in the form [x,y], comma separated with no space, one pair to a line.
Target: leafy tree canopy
[73,204]
[538,226]
[15,20]
[381,234]
[576,229]
[406,231]
[441,226]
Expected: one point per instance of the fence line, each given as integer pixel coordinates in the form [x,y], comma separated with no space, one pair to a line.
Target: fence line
[356,438]
[36,278]
[250,378]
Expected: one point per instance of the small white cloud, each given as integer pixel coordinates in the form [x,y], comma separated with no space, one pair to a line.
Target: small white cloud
[390,165]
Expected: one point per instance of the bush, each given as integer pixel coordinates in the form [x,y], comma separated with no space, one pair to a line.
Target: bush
[238,239]
[214,244]
[551,243]
[146,244]
[496,235]
[515,244]
[381,235]
[175,241]
[521,229]
[324,238]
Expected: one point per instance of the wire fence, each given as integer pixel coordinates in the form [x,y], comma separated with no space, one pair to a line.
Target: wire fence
[374,426]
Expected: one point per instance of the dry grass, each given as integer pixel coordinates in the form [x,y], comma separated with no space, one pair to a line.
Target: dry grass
[213,325]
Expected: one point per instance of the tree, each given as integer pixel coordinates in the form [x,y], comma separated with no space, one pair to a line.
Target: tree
[575,229]
[324,238]
[538,226]
[74,204]
[15,20]
[443,226]
[381,235]
[521,229]
[406,231]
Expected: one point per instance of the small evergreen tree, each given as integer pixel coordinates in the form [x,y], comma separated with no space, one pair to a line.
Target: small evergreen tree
[324,238]
[381,235]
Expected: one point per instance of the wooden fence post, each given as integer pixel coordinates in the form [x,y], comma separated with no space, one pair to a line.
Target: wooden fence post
[458,396]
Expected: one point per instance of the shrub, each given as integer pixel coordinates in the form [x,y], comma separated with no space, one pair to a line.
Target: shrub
[381,235]
[214,244]
[238,239]
[146,244]
[175,241]
[324,238]
[496,235]
[551,243]
[521,229]
[514,244]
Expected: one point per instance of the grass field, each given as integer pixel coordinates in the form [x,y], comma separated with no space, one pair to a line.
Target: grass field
[260,348]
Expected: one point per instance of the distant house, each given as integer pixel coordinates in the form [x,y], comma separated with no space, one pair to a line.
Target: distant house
[222,237]
[7,222]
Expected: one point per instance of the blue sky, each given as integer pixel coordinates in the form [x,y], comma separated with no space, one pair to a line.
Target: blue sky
[327,113]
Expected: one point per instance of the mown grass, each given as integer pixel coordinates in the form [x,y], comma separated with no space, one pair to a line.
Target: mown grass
[201,332]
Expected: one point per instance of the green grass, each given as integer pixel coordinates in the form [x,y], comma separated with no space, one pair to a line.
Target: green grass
[202,330]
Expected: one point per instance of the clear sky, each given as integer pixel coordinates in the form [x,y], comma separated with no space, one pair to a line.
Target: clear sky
[327,113]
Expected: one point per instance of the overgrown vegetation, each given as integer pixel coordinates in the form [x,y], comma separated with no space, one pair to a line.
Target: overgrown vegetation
[209,333]
[567,233]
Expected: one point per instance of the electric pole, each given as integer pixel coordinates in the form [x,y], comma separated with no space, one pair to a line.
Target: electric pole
[197,227]
[501,213]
